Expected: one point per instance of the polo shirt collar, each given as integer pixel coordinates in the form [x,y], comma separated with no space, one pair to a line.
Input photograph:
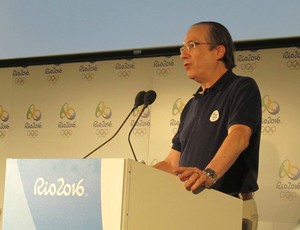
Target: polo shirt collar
[222,81]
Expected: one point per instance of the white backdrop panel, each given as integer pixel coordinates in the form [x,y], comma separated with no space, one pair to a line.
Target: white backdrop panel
[67,110]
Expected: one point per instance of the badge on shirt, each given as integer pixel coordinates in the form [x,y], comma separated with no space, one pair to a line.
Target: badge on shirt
[214,116]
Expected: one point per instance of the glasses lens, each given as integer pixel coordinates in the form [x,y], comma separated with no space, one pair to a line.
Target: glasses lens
[191,45]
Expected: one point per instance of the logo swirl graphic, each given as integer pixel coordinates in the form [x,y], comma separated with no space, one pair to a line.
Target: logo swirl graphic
[289,170]
[103,111]
[67,111]
[4,116]
[33,113]
[66,128]
[178,107]
[269,105]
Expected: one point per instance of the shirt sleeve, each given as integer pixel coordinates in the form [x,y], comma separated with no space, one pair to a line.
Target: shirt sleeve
[245,104]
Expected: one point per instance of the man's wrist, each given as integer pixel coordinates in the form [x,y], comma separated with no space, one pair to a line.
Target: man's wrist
[212,174]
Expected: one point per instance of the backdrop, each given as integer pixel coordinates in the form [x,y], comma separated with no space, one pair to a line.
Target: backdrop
[67,110]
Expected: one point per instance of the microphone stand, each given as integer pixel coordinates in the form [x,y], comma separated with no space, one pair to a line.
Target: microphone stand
[132,130]
[112,135]
[139,100]
[149,98]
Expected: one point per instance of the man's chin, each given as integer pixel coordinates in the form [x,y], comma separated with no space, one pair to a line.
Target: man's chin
[190,76]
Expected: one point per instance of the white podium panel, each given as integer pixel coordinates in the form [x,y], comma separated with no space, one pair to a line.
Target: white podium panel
[108,194]
[157,200]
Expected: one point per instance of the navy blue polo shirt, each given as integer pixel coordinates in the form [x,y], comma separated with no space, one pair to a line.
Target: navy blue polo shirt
[204,125]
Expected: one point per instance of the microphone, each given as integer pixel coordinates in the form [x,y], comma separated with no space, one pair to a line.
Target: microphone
[139,100]
[149,98]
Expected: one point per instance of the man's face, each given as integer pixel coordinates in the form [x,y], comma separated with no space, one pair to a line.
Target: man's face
[200,61]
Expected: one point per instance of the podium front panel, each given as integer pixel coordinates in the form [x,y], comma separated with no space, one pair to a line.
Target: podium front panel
[108,194]
[52,194]
[158,200]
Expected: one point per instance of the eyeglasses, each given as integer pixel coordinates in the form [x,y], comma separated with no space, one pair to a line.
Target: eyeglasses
[193,44]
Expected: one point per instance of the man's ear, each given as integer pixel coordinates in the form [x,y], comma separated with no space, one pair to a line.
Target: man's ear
[220,51]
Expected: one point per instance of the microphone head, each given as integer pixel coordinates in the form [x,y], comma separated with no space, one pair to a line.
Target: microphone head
[139,99]
[149,98]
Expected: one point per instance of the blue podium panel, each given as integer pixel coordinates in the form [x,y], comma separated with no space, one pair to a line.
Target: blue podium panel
[48,194]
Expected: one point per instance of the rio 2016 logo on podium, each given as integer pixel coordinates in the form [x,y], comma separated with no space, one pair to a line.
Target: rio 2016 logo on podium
[52,194]
[44,188]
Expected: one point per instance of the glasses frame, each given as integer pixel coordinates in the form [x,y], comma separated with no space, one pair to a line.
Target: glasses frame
[193,44]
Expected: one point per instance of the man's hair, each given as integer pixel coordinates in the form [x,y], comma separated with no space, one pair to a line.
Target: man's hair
[219,35]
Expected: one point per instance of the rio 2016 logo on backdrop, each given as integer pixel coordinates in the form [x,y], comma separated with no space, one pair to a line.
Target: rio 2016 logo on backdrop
[142,125]
[53,74]
[102,126]
[67,124]
[270,110]
[248,63]
[287,169]
[87,72]
[176,111]
[292,59]
[124,69]
[33,124]
[4,118]
[289,187]
[20,76]
[163,68]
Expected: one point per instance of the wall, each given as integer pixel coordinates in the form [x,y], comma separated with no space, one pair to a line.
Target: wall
[67,110]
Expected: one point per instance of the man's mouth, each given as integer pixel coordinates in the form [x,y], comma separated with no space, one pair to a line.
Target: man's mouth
[187,65]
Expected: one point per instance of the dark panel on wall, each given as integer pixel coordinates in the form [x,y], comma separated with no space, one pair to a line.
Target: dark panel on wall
[141,53]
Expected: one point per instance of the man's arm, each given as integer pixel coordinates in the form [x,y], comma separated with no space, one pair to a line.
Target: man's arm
[236,142]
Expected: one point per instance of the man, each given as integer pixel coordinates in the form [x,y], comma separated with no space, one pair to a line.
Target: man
[217,143]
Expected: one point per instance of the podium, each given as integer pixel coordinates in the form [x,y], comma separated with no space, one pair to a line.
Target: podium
[108,194]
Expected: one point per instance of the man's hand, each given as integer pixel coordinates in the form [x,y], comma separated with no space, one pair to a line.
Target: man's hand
[193,178]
